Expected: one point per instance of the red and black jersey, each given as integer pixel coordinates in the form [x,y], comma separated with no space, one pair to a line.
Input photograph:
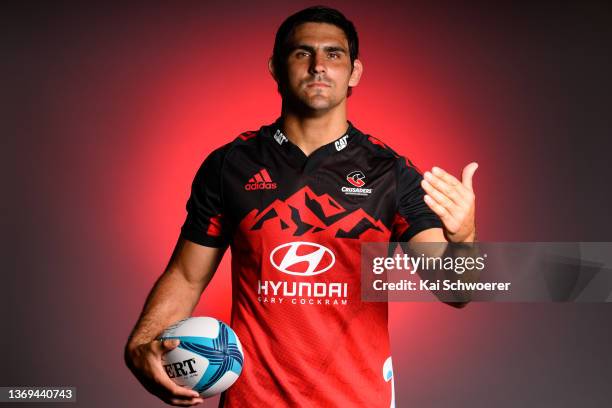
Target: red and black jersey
[295,224]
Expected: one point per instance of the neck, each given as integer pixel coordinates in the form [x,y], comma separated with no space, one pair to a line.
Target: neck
[313,131]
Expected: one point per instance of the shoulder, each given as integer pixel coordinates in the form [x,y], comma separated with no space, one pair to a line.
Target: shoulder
[379,148]
[374,145]
[244,141]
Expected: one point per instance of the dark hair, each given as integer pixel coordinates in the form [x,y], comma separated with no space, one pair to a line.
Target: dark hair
[315,14]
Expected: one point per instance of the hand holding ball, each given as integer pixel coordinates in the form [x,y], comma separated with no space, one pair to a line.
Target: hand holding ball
[209,357]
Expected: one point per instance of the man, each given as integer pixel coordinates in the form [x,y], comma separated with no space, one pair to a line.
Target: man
[295,199]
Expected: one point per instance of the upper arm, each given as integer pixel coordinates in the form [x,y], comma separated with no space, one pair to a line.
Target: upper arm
[195,263]
[205,234]
[414,217]
[429,235]
[207,222]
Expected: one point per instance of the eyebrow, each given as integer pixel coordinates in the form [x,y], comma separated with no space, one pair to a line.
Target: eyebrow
[310,48]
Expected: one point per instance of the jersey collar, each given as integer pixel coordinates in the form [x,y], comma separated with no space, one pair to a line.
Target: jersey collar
[296,156]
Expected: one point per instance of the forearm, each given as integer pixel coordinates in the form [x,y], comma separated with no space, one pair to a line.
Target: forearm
[440,269]
[468,250]
[172,298]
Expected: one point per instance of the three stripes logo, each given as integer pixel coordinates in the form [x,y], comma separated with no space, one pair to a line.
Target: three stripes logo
[260,181]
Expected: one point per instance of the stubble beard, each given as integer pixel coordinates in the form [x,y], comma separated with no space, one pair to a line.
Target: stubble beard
[317,100]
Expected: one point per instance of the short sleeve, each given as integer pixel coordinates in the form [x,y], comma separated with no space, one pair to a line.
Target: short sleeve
[413,214]
[206,222]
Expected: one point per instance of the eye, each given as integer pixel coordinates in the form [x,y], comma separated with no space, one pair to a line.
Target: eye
[302,54]
[334,55]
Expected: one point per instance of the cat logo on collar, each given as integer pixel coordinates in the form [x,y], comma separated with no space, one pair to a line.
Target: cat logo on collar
[341,143]
[280,137]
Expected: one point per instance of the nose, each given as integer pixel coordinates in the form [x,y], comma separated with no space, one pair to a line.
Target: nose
[317,63]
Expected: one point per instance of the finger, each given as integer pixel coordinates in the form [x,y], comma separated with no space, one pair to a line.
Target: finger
[161,346]
[438,196]
[452,192]
[159,375]
[468,174]
[444,175]
[448,217]
[450,224]
[172,389]
[169,344]
[185,403]
[444,215]
[450,180]
[154,387]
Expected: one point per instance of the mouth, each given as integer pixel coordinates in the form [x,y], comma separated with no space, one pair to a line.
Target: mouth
[318,85]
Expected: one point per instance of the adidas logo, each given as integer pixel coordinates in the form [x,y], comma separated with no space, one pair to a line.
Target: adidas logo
[260,181]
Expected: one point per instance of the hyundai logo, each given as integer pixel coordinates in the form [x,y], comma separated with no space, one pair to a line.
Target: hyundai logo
[302,258]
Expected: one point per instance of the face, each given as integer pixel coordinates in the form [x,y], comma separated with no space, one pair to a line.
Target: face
[319,69]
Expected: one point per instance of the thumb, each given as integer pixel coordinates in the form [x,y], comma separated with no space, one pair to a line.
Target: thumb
[468,174]
[169,344]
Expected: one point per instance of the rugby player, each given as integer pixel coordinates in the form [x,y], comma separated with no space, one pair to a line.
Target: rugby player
[294,200]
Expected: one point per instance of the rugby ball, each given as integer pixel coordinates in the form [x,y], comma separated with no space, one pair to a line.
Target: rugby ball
[209,357]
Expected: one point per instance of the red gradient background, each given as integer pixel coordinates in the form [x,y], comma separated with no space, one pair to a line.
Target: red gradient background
[113,108]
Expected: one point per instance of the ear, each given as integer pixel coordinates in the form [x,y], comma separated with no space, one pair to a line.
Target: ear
[356,74]
[271,69]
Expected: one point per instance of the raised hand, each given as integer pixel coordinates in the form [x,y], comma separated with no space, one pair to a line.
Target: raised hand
[453,201]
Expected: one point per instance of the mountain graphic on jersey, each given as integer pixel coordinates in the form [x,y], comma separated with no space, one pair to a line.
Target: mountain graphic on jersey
[306,212]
